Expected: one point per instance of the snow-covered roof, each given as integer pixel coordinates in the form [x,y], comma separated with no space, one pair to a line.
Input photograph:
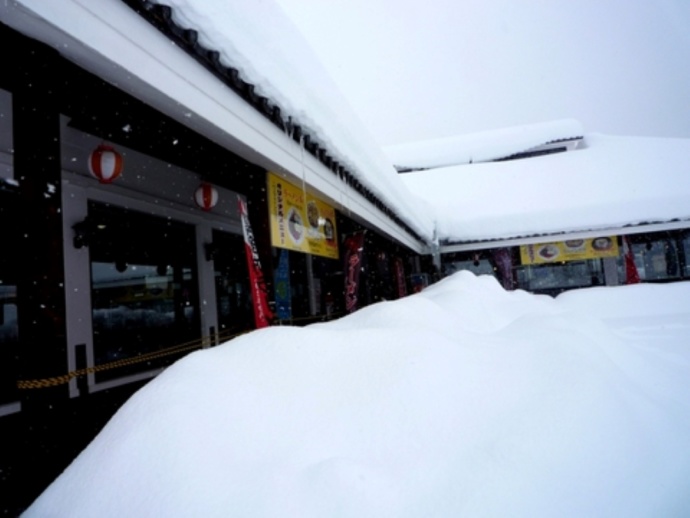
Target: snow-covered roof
[268,52]
[261,50]
[482,146]
[612,183]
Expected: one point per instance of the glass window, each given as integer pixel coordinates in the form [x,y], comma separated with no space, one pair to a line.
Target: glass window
[477,266]
[657,257]
[329,274]
[143,289]
[9,331]
[233,297]
[497,262]
[299,287]
[555,278]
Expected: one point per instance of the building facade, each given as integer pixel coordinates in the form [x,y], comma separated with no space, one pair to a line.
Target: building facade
[106,280]
[125,246]
[552,267]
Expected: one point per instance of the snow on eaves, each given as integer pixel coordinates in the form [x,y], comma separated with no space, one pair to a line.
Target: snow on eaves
[482,146]
[262,44]
[611,183]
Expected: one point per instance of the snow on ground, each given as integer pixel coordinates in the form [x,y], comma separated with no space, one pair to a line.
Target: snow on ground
[612,182]
[462,400]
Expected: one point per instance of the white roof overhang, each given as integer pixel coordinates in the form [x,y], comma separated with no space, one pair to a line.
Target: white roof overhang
[109,39]
[561,236]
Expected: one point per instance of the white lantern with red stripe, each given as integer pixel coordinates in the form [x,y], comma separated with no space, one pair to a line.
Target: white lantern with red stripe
[105,163]
[206,196]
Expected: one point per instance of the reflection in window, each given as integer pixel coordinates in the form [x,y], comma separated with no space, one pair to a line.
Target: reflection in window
[9,337]
[659,257]
[143,288]
[141,297]
[476,266]
[9,330]
[554,278]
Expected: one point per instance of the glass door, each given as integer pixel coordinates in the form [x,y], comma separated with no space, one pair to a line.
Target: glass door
[144,293]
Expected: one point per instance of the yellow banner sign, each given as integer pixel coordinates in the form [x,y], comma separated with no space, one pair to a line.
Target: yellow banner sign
[299,222]
[572,250]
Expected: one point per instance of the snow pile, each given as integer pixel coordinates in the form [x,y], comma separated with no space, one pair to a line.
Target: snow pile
[613,182]
[270,53]
[463,400]
[482,146]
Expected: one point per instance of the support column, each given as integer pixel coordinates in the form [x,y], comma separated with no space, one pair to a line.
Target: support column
[311,286]
[207,286]
[610,271]
[40,287]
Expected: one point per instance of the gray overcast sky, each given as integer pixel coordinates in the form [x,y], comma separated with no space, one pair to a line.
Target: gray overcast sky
[415,70]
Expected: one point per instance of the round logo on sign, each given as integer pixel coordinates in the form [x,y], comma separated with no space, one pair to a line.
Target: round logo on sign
[295,226]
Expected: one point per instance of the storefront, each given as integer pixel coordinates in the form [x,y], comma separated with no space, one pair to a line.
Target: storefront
[106,269]
[553,267]
[125,247]
[122,177]
[312,262]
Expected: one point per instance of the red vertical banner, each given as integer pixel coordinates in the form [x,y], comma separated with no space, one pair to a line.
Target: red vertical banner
[353,265]
[503,264]
[632,276]
[262,313]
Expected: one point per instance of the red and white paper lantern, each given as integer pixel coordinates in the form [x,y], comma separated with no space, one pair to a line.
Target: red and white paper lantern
[206,196]
[105,163]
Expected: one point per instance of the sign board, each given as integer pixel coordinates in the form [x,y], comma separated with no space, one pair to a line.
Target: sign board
[571,250]
[300,221]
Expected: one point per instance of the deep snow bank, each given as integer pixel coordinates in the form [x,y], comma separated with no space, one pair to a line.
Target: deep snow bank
[463,400]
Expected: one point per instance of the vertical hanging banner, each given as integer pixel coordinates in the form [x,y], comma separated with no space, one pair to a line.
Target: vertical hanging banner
[262,313]
[632,276]
[282,287]
[503,262]
[353,264]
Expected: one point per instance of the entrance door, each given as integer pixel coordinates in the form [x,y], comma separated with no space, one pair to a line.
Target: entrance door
[143,290]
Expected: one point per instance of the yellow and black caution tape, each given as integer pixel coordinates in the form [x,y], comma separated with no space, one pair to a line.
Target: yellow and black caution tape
[189,346]
[61,380]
